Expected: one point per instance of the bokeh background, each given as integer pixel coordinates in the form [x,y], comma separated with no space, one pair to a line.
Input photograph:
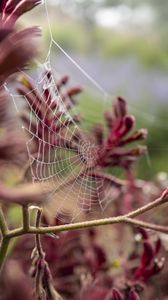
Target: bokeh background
[123,45]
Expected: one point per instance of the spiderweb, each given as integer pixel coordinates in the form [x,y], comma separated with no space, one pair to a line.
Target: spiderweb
[65,167]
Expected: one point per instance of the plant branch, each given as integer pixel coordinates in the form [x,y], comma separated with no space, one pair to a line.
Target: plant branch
[5,239]
[96,223]
[3,225]
[89,224]
[126,219]
[3,250]
[25,214]
[159,201]
[147,225]
[37,239]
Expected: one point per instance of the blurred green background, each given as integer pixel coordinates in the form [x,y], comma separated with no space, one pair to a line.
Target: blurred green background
[123,45]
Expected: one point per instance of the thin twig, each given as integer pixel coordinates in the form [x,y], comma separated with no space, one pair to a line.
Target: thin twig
[3,250]
[127,219]
[37,238]
[3,225]
[159,201]
[25,214]
[5,239]
[147,225]
[89,224]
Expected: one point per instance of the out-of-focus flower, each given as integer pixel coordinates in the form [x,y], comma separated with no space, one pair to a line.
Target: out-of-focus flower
[16,50]
[14,284]
[116,295]
[80,267]
[148,262]
[133,296]
[23,194]
[12,149]
[95,292]
[98,292]
[16,47]
[72,258]
[11,10]
[12,142]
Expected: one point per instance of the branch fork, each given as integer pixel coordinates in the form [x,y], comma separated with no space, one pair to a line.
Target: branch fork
[26,228]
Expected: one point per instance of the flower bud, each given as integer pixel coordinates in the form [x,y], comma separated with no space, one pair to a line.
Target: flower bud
[13,9]
[74,91]
[133,296]
[63,81]
[120,107]
[129,123]
[116,295]
[147,254]
[109,119]
[98,133]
